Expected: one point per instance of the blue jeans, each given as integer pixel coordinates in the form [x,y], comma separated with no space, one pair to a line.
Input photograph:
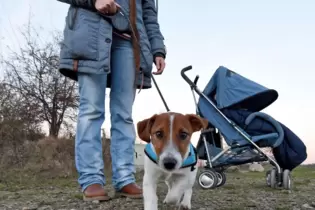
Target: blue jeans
[88,144]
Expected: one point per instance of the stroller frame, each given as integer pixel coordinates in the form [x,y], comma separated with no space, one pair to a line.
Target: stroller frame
[275,175]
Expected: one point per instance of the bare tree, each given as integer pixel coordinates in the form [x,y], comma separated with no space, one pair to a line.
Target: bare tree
[32,72]
[18,123]
[17,112]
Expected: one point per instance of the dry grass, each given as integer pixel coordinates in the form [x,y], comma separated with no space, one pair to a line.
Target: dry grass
[243,190]
[49,158]
[46,179]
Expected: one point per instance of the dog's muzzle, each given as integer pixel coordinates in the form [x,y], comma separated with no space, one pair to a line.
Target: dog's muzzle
[169,163]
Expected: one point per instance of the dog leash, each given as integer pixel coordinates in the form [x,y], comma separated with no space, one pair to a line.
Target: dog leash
[160,93]
[153,79]
[155,83]
[124,14]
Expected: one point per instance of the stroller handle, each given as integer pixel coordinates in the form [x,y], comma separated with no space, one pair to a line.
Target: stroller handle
[191,83]
[196,79]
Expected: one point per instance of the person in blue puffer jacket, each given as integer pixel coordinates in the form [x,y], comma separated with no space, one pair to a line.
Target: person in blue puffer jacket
[98,56]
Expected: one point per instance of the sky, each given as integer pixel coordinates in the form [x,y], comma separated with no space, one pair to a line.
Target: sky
[270,42]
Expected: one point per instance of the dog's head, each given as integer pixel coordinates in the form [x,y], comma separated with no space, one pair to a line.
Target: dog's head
[170,135]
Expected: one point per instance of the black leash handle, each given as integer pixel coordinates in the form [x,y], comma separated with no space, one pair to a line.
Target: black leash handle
[161,95]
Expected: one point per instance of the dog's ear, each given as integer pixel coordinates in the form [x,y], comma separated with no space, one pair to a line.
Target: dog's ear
[144,128]
[197,123]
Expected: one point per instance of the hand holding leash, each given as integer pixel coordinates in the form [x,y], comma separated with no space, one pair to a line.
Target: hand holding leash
[108,7]
[160,65]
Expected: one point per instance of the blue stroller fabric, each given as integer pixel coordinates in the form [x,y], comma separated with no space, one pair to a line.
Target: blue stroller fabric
[289,154]
[232,90]
[240,101]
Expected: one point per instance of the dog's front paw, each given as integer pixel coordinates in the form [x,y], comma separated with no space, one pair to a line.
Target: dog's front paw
[170,199]
[166,200]
[150,206]
[185,205]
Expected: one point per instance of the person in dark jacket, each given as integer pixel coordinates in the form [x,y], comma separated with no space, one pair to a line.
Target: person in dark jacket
[97,55]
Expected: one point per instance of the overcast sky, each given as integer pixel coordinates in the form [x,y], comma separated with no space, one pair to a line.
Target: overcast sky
[270,42]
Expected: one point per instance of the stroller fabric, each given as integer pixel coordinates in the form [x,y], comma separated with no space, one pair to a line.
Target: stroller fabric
[289,154]
[240,101]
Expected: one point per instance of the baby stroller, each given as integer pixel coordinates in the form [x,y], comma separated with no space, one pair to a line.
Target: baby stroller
[232,104]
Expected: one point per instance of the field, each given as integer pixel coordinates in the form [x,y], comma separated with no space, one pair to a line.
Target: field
[20,189]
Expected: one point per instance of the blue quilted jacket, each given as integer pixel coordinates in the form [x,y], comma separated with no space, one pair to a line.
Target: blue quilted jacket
[88,39]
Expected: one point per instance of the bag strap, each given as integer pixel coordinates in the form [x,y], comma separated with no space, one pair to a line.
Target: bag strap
[135,33]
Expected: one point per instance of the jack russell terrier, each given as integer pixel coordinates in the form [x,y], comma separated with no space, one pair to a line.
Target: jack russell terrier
[169,152]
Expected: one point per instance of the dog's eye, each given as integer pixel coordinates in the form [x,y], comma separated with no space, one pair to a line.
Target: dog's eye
[159,134]
[183,135]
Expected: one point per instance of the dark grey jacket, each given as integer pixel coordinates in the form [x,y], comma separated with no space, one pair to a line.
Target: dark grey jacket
[88,38]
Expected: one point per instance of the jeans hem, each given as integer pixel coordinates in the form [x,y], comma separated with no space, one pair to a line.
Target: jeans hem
[90,183]
[119,186]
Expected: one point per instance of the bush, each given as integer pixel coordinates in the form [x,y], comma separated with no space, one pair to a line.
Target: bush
[50,157]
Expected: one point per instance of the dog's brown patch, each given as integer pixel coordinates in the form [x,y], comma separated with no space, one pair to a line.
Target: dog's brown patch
[183,128]
[158,128]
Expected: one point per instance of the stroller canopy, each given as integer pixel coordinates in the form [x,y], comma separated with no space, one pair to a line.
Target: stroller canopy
[231,90]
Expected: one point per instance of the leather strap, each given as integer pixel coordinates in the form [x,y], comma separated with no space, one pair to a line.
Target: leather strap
[135,35]
[75,65]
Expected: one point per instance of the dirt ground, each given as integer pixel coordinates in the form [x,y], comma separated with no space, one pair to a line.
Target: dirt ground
[243,190]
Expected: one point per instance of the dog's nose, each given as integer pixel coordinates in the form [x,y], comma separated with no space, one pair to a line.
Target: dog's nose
[169,163]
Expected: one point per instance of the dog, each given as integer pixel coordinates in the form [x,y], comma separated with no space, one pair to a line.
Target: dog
[169,152]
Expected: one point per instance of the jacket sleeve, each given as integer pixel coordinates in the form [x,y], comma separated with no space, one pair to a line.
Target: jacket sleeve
[88,4]
[153,29]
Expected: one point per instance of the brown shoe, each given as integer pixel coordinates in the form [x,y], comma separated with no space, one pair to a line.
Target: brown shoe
[95,192]
[131,191]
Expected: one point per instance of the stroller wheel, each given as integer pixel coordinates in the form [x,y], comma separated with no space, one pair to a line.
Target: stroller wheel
[286,179]
[221,178]
[273,178]
[268,178]
[208,179]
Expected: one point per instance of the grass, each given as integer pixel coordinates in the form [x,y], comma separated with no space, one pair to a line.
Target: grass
[16,180]
[243,190]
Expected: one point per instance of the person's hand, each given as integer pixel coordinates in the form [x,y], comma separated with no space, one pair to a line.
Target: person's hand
[108,7]
[160,65]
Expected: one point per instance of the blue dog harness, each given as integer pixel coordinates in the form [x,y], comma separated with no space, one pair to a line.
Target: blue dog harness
[190,161]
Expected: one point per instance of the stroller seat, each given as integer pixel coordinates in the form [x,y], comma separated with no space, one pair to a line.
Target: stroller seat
[273,139]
